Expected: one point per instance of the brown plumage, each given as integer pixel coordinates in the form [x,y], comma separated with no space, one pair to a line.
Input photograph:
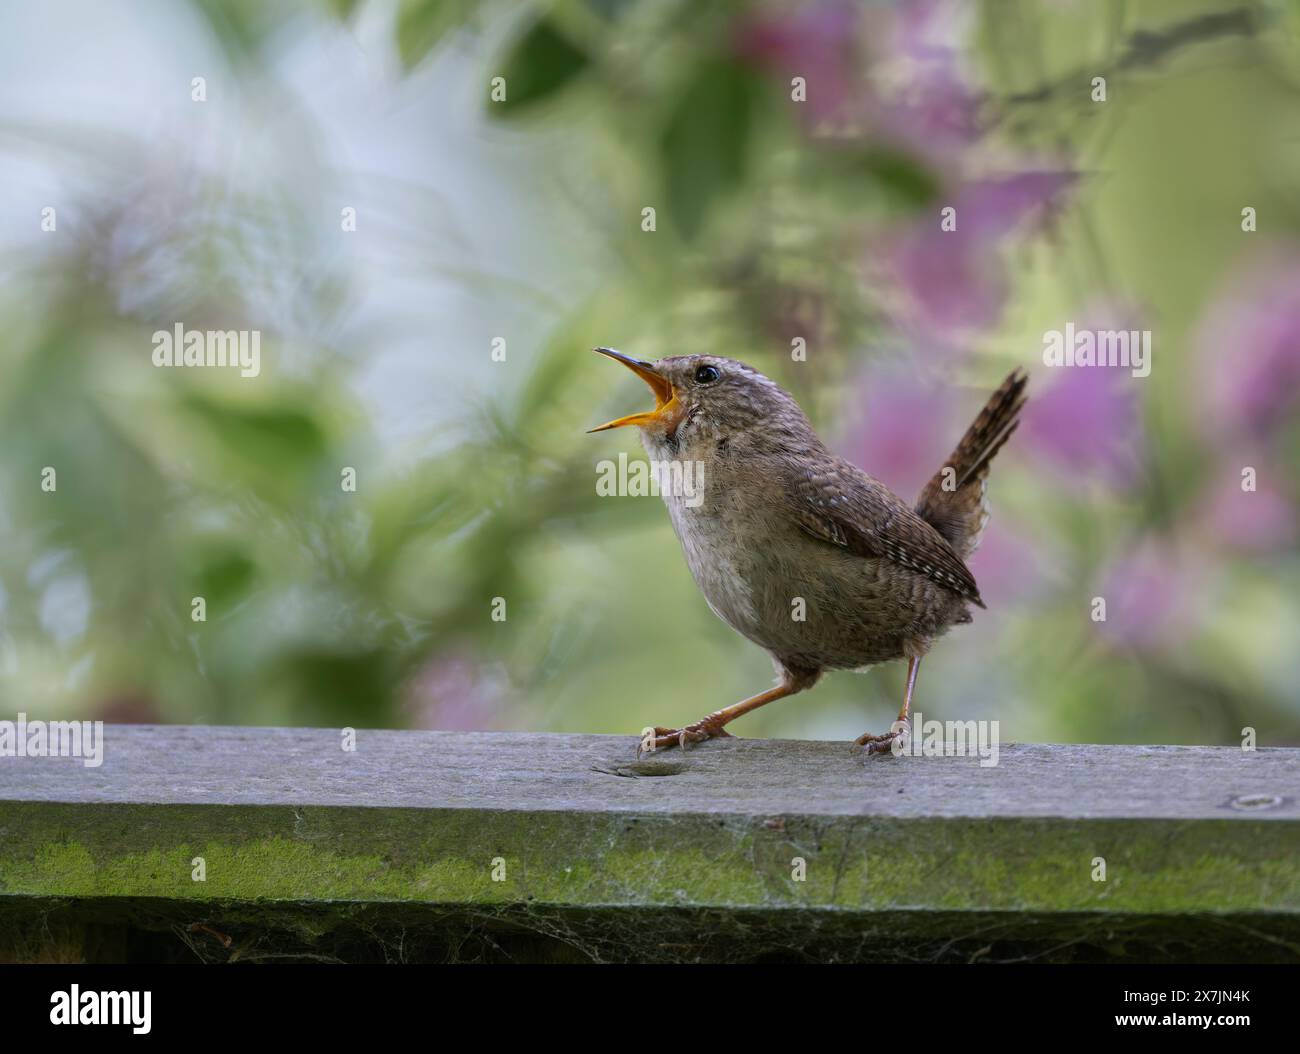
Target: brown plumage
[799,550]
[955,501]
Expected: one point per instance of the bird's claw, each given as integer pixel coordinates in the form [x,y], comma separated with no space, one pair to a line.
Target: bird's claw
[653,739]
[883,743]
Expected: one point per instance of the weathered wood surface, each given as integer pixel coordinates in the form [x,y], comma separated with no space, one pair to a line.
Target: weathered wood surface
[481,845]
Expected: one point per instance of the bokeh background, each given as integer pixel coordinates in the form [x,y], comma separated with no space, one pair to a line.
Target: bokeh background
[776,221]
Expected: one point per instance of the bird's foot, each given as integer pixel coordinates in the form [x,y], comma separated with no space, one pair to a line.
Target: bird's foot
[883,743]
[653,739]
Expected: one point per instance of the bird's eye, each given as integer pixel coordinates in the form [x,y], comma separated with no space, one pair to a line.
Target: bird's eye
[706,375]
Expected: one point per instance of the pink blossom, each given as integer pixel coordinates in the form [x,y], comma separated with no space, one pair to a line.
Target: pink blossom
[1249,345]
[1088,424]
[934,115]
[925,104]
[818,42]
[1149,595]
[1009,566]
[888,441]
[1259,520]
[952,282]
[927,29]
[902,428]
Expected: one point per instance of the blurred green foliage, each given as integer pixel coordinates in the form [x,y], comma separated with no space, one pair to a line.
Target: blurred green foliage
[776,223]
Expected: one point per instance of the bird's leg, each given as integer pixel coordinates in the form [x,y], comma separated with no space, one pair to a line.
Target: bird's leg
[881,744]
[712,726]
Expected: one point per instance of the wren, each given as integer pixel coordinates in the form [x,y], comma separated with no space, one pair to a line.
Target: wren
[783,517]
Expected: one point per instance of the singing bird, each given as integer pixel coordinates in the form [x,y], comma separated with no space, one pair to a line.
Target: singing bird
[797,549]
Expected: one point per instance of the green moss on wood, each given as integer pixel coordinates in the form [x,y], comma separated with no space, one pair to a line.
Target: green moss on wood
[444,857]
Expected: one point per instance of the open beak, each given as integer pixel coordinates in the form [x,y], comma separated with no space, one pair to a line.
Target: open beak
[666,404]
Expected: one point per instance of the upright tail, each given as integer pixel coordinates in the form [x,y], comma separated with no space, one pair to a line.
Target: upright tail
[954,501]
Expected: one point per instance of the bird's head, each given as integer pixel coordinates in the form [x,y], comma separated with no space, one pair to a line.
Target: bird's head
[701,395]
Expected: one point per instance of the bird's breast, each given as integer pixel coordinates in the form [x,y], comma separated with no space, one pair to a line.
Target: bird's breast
[727,539]
[799,597]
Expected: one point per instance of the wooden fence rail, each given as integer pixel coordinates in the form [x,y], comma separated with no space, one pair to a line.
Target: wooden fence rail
[251,844]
